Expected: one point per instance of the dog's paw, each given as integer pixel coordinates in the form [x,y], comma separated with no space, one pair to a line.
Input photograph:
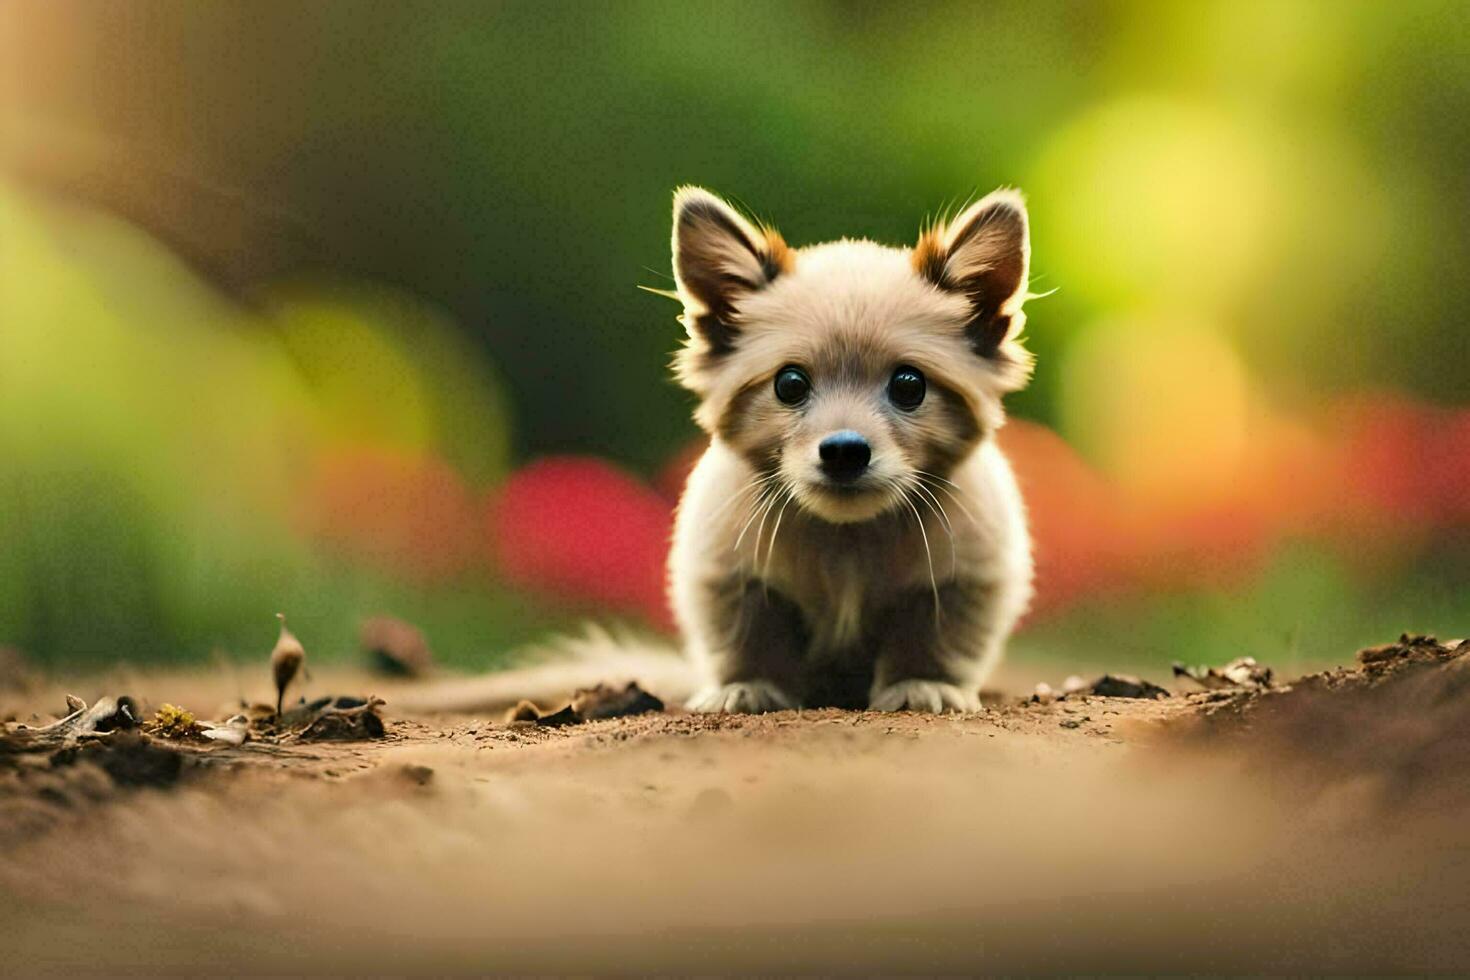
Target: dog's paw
[747,698]
[934,697]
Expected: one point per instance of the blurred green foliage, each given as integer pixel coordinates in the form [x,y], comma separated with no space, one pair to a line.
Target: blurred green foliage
[418,226]
[514,161]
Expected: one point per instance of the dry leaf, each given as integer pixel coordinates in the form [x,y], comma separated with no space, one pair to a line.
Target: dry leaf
[1242,672]
[231,731]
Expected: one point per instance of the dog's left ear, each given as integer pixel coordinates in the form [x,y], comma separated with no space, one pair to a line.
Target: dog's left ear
[719,258]
[983,253]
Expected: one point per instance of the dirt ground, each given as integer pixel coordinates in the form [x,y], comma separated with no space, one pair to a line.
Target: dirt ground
[1312,826]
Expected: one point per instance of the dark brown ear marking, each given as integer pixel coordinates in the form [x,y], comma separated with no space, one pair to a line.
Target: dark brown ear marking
[984,254]
[718,256]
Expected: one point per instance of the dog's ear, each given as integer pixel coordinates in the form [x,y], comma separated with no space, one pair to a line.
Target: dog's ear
[718,257]
[983,253]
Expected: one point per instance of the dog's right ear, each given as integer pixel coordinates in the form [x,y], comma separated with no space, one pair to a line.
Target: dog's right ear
[718,257]
[984,253]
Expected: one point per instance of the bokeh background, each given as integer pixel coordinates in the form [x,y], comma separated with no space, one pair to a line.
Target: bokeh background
[331,307]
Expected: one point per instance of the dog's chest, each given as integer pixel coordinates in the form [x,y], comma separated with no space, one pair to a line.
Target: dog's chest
[839,586]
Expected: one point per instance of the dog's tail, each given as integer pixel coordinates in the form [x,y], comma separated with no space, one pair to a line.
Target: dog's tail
[548,675]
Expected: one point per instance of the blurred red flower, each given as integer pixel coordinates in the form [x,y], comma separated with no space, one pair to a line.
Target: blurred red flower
[1403,458]
[1380,473]
[583,530]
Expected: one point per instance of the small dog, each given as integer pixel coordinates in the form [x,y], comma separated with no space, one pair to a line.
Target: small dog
[853,537]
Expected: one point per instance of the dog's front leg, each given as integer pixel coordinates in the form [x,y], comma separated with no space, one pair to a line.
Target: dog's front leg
[758,642]
[928,644]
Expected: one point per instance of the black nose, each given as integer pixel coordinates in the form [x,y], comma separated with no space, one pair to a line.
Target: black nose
[845,455]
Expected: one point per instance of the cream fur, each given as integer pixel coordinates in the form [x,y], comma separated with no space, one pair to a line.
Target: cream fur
[843,561]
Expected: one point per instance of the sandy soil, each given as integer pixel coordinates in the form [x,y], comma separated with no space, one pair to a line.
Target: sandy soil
[1315,827]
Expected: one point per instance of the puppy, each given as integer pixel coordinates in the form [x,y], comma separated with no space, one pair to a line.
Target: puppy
[853,537]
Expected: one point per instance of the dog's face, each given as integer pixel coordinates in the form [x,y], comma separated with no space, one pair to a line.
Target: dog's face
[851,374]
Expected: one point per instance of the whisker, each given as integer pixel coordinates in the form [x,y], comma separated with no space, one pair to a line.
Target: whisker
[775,529]
[774,499]
[935,505]
[933,582]
[955,494]
[754,513]
[936,476]
[734,497]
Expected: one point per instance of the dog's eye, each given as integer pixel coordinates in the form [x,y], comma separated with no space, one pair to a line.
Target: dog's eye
[906,387]
[792,385]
